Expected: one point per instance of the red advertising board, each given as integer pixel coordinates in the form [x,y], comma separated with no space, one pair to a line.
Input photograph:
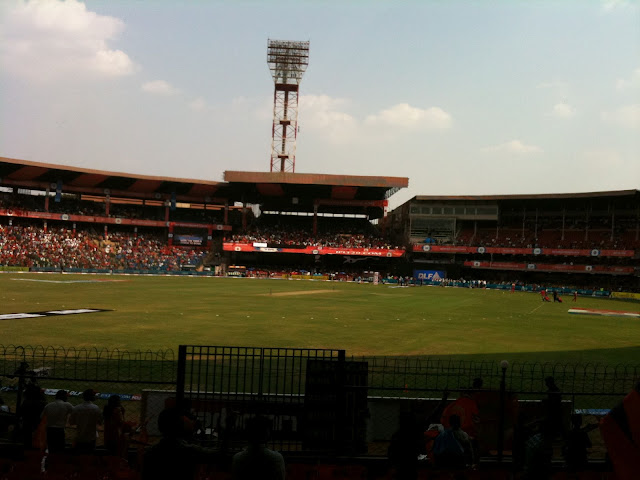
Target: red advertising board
[550,267]
[311,250]
[565,252]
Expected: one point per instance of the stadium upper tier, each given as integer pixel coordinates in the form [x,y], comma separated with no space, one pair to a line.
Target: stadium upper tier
[597,220]
[313,193]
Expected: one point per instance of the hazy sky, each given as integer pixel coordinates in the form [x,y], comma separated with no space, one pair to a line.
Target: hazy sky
[466,97]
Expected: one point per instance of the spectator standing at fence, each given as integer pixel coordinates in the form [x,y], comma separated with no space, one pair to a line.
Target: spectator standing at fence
[538,453]
[406,444]
[577,446]
[257,461]
[86,417]
[554,408]
[55,415]
[466,409]
[173,457]
[452,448]
[115,427]
[30,412]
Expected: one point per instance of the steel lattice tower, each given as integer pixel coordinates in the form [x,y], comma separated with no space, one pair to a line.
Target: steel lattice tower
[287,61]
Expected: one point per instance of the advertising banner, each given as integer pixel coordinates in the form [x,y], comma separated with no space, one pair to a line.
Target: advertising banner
[188,240]
[627,295]
[550,267]
[311,250]
[565,252]
[14,269]
[429,275]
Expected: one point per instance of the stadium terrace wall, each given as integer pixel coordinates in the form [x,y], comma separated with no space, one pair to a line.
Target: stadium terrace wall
[565,252]
[19,213]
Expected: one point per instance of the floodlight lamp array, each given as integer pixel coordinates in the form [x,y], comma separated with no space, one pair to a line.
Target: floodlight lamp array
[288,60]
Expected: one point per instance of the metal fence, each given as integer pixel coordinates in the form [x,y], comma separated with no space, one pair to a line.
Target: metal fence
[319,400]
[299,389]
[416,384]
[129,374]
[414,376]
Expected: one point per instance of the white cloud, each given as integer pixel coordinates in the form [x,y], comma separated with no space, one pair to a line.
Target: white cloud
[611,5]
[627,116]
[48,39]
[405,116]
[634,81]
[563,110]
[326,114]
[198,104]
[159,87]
[513,147]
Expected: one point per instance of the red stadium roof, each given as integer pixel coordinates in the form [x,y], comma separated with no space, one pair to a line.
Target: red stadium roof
[23,173]
[273,190]
[316,179]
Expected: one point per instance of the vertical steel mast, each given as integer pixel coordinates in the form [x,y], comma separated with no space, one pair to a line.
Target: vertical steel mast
[287,62]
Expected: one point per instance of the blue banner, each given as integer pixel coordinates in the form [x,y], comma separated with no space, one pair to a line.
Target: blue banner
[429,275]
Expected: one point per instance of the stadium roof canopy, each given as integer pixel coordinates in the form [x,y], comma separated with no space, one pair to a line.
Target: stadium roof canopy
[27,174]
[276,191]
[300,192]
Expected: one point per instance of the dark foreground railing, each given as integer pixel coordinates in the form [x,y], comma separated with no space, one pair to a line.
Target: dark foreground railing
[319,401]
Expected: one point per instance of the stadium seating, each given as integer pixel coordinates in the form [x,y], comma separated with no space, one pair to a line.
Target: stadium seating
[30,246]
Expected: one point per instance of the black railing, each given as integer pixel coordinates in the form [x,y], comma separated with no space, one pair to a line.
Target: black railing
[352,403]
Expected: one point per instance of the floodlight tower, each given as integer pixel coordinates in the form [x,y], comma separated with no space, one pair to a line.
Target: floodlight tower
[287,61]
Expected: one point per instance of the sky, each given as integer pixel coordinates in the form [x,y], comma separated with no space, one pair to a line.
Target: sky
[461,97]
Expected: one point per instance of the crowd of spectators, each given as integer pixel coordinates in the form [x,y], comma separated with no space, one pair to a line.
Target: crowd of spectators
[572,239]
[31,246]
[307,239]
[337,233]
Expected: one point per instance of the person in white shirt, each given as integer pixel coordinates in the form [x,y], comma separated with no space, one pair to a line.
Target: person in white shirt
[56,415]
[86,417]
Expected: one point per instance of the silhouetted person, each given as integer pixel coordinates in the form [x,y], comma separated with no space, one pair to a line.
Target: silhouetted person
[173,458]
[86,417]
[452,448]
[115,427]
[30,412]
[578,443]
[56,415]
[257,461]
[406,444]
[554,408]
[538,453]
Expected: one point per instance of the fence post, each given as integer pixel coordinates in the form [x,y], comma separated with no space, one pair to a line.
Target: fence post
[503,392]
[181,375]
[341,404]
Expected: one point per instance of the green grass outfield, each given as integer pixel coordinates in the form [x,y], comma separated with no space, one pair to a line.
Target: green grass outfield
[162,312]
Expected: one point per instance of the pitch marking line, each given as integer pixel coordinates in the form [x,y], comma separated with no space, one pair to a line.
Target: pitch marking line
[604,313]
[535,309]
[50,313]
[65,281]
[296,293]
